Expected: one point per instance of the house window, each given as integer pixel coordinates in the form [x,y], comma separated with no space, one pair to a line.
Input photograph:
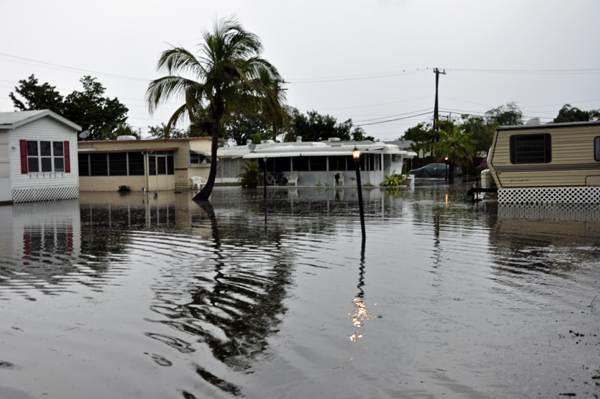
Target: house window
[597,148]
[44,156]
[59,156]
[530,148]
[98,164]
[300,164]
[33,160]
[136,163]
[318,164]
[161,163]
[199,159]
[282,164]
[84,164]
[337,163]
[117,164]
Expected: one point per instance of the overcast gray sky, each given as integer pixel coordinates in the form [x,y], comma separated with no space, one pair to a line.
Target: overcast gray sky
[369,60]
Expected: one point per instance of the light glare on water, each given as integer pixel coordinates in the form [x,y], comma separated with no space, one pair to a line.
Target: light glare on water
[126,296]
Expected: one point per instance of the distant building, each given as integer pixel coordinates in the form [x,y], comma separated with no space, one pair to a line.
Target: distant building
[151,164]
[318,163]
[37,157]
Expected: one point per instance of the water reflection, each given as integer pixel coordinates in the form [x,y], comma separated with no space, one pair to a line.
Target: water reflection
[40,246]
[231,302]
[256,298]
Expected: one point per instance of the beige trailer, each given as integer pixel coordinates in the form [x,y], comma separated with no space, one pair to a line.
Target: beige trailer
[551,163]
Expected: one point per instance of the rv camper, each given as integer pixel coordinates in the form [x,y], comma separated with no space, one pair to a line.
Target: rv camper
[547,164]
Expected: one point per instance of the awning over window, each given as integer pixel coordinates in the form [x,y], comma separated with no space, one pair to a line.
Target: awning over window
[97,151]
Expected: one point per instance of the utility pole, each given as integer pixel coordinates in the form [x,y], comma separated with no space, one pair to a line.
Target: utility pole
[435,108]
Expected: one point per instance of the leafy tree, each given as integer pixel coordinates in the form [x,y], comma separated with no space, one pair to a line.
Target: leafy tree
[458,146]
[241,125]
[120,129]
[573,114]
[481,132]
[158,132]
[424,137]
[358,134]
[316,127]
[504,115]
[88,108]
[93,112]
[224,77]
[36,96]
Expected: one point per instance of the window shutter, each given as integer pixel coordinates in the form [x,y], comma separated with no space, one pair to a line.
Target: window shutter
[23,144]
[67,157]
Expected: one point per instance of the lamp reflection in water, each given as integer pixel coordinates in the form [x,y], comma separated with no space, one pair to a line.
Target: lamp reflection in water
[361,314]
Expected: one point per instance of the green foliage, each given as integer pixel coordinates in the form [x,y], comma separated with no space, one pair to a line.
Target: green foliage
[88,108]
[573,114]
[252,175]
[227,75]
[316,127]
[158,132]
[240,125]
[258,137]
[111,132]
[35,96]
[481,132]
[393,181]
[505,115]
[457,145]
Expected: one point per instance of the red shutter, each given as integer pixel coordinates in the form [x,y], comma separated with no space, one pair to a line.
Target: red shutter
[23,156]
[67,157]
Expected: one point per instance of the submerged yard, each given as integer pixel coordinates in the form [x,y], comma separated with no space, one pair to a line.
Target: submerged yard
[158,297]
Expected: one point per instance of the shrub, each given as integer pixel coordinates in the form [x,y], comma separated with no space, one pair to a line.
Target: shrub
[124,189]
[251,175]
[393,181]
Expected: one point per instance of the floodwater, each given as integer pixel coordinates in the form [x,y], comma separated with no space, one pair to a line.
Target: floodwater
[125,297]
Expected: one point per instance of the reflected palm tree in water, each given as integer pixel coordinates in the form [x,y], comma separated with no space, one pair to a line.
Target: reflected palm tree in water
[233,308]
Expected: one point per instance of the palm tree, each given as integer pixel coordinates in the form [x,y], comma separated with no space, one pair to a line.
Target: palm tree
[225,75]
[457,146]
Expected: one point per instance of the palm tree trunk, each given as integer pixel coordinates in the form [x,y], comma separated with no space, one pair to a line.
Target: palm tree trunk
[204,194]
[450,172]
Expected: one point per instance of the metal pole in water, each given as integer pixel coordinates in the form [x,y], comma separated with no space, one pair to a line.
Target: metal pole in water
[356,155]
[265,179]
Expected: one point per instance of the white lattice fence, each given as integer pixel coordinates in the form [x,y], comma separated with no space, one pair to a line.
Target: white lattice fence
[556,195]
[44,194]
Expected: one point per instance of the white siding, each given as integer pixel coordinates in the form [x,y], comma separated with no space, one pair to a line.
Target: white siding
[43,129]
[4,160]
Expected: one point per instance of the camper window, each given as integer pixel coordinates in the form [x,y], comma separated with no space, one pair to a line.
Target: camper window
[530,148]
[597,148]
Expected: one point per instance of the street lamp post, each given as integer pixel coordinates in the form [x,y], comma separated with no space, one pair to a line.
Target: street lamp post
[356,155]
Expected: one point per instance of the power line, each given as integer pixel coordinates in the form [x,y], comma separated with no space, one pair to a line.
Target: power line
[357,77]
[393,120]
[529,71]
[393,116]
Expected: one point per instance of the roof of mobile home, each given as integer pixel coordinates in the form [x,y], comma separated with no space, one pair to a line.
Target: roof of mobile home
[548,125]
[12,120]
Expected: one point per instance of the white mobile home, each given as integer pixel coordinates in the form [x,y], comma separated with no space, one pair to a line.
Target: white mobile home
[318,163]
[551,163]
[38,157]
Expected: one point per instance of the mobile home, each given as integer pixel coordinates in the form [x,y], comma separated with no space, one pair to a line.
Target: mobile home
[547,164]
[37,157]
